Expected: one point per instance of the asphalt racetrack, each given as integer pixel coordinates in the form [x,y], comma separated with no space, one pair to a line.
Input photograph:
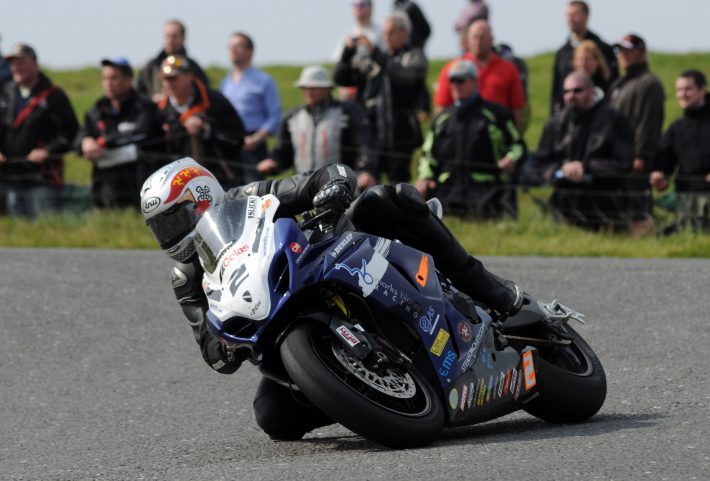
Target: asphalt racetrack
[100,378]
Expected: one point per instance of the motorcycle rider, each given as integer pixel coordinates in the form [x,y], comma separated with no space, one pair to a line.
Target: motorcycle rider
[174,198]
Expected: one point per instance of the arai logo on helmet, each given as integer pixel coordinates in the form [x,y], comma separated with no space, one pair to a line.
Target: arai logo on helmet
[150,204]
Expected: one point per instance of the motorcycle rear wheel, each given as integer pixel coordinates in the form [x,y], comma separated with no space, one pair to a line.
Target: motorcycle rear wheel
[570,381]
[400,409]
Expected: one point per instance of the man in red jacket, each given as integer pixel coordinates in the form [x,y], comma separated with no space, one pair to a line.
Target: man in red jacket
[498,79]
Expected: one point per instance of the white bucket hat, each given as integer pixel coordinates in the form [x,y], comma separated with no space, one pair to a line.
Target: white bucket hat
[314,76]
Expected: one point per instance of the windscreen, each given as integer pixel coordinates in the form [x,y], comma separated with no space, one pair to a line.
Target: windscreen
[219,228]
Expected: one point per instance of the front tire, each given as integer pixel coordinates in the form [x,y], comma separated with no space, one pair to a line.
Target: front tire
[399,409]
[570,381]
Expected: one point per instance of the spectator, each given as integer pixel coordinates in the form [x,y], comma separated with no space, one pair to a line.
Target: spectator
[589,59]
[639,95]
[254,96]
[323,131]
[37,126]
[149,82]
[199,122]
[498,79]
[113,131]
[475,10]
[585,149]
[364,25]
[506,52]
[421,30]
[472,149]
[577,14]
[389,86]
[685,149]
[417,39]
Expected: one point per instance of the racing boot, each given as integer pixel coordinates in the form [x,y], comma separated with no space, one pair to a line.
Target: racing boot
[418,227]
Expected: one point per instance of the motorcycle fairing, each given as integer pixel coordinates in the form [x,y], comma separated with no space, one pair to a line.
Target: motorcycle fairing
[236,288]
[403,281]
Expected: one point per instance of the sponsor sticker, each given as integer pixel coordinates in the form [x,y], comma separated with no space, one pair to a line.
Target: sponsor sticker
[529,370]
[441,338]
[236,252]
[251,207]
[447,363]
[348,336]
[464,331]
[506,386]
[423,271]
[341,245]
[501,383]
[150,204]
[470,357]
[295,247]
[471,394]
[464,394]
[427,322]
[453,398]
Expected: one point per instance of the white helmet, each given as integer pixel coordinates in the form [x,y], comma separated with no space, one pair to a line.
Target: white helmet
[173,199]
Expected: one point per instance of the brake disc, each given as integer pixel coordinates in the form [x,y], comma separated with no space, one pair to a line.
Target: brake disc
[395,384]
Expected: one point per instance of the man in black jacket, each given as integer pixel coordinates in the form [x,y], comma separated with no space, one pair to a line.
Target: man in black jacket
[37,126]
[149,82]
[640,97]
[115,131]
[200,122]
[685,149]
[471,151]
[586,149]
[389,86]
[577,14]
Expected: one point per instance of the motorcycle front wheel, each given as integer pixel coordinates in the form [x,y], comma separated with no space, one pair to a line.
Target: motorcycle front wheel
[570,381]
[395,407]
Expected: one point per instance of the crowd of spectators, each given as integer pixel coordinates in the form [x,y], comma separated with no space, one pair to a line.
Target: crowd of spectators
[602,148]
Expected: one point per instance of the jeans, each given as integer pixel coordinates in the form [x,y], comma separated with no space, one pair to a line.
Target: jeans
[30,200]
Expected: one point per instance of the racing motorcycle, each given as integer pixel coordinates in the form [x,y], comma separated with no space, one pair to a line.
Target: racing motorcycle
[369,331]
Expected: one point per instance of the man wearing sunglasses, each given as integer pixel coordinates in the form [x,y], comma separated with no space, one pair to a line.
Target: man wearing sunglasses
[471,151]
[585,150]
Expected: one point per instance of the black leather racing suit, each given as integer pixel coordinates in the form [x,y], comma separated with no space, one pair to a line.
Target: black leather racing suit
[372,212]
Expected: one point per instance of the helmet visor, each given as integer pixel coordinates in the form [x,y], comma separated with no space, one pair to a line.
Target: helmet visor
[175,223]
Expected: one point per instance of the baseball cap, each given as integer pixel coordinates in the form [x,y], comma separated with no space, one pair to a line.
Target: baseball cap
[120,63]
[631,41]
[314,76]
[21,50]
[173,65]
[463,69]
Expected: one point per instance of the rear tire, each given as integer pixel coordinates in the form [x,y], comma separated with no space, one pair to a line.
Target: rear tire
[400,409]
[570,381]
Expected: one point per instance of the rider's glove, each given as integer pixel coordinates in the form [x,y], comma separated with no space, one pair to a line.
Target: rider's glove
[221,359]
[335,195]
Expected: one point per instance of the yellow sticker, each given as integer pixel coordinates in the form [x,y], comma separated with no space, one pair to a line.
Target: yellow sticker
[441,338]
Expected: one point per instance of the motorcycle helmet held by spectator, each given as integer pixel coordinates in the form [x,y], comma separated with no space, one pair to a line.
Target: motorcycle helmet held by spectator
[173,199]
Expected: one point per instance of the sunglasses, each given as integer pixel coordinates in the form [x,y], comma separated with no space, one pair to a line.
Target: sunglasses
[576,90]
[457,80]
